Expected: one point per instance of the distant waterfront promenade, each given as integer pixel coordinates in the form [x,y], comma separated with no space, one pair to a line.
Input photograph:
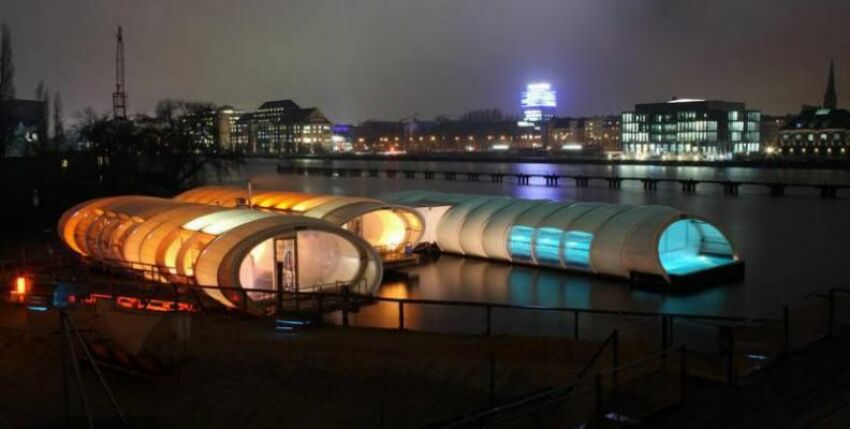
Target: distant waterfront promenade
[544,158]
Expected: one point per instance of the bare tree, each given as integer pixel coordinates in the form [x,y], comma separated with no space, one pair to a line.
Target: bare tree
[7,86]
[156,155]
[43,94]
[58,122]
[7,66]
[39,90]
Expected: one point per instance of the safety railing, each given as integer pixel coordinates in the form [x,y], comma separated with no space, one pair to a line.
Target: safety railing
[615,396]
[603,392]
[839,313]
[626,394]
[719,348]
[722,348]
[481,318]
[605,356]
[731,350]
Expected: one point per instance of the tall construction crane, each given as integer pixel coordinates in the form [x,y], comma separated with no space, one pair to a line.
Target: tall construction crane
[119,97]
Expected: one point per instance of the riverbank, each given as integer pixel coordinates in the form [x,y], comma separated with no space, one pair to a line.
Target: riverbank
[243,373]
[489,157]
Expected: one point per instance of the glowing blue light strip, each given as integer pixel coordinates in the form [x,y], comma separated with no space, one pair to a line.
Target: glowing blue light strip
[577,248]
[519,242]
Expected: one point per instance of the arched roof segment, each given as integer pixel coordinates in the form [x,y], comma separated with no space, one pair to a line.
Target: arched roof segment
[607,239]
[175,241]
[337,209]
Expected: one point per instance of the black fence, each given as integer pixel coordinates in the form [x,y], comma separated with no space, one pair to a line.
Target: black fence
[639,353]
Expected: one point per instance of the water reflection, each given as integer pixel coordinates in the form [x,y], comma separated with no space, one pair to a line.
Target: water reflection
[784,262]
[455,278]
[537,193]
[698,302]
[458,278]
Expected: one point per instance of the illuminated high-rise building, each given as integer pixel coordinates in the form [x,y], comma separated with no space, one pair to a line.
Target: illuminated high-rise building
[538,102]
[690,128]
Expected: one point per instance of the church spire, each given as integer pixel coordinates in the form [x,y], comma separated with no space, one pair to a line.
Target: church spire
[829,99]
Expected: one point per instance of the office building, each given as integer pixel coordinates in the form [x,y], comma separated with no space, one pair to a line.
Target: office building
[598,133]
[283,127]
[214,127]
[690,129]
[538,102]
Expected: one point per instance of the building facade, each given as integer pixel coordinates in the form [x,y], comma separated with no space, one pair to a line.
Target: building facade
[822,131]
[538,102]
[817,132]
[283,127]
[696,129]
[598,133]
[276,128]
[214,127]
[770,128]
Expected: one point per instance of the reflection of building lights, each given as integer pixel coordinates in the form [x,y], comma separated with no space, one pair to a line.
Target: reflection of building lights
[500,146]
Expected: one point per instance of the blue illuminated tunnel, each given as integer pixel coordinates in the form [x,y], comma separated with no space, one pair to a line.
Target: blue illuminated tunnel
[577,248]
[688,246]
[639,243]
[520,242]
[547,247]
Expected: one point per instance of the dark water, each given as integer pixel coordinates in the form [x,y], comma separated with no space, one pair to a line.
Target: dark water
[792,245]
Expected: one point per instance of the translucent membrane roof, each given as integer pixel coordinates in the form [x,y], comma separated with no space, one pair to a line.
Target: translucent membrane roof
[174,241]
[606,239]
[383,225]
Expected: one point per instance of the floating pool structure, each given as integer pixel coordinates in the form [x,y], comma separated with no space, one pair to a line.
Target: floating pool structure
[178,242]
[640,243]
[387,227]
[215,236]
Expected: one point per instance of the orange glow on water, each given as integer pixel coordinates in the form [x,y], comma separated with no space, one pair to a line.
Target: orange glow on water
[396,290]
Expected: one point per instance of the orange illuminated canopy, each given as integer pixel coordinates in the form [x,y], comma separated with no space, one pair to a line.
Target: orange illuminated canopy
[234,247]
[387,227]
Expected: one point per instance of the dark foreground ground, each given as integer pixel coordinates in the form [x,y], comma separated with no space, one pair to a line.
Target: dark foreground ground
[242,373]
[806,389]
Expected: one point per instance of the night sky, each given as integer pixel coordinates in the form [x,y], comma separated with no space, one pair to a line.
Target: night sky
[362,59]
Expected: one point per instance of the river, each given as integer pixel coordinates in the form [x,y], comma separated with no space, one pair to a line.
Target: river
[792,245]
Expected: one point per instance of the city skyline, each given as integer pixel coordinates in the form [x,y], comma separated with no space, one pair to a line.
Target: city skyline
[602,56]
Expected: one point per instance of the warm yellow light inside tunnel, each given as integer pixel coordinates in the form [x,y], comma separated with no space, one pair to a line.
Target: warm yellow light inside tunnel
[314,258]
[383,229]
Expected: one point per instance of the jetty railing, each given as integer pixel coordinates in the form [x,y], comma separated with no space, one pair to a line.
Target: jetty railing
[688,185]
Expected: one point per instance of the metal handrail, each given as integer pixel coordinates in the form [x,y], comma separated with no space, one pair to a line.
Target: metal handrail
[542,398]
[418,301]
[633,363]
